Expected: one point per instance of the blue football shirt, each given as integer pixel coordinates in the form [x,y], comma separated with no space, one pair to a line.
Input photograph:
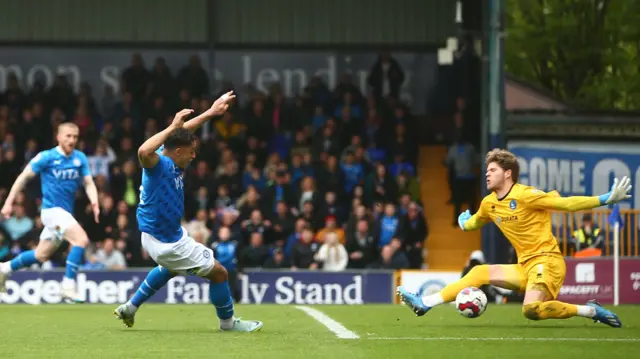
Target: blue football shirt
[60,175]
[161,206]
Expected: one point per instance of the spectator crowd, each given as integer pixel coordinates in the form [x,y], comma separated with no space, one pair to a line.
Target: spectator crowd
[325,180]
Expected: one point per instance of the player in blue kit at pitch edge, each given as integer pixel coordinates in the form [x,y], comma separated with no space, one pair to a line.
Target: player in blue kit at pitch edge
[62,170]
[163,158]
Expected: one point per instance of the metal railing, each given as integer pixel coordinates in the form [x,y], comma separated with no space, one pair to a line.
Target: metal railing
[564,224]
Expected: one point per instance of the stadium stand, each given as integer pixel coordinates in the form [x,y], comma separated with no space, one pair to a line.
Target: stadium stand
[326,180]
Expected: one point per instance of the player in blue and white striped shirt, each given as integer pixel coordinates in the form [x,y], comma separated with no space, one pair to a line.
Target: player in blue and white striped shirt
[62,170]
[163,158]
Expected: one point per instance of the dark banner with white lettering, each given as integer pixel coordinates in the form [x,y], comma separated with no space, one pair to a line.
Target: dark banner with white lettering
[317,287]
[299,287]
[292,69]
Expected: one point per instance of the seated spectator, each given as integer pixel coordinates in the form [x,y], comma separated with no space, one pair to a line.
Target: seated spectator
[388,225]
[294,237]
[109,257]
[331,177]
[391,257]
[301,144]
[255,254]
[361,245]
[379,186]
[375,153]
[297,171]
[282,223]
[249,202]
[332,254]
[319,119]
[353,173]
[223,200]
[257,223]
[307,192]
[277,260]
[331,227]
[19,224]
[227,128]
[101,160]
[399,166]
[415,232]
[197,227]
[303,252]
[403,204]
[331,207]
[409,185]
[348,103]
[253,177]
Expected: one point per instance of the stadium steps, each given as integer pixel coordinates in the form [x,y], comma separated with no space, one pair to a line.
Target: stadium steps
[448,247]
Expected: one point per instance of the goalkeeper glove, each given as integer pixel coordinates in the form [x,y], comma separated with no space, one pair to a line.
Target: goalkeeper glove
[463,218]
[619,192]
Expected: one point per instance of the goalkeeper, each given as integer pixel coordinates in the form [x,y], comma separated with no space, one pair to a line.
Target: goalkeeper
[522,214]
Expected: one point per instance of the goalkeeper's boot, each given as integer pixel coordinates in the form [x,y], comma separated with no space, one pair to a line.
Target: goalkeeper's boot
[124,313]
[240,325]
[413,301]
[604,316]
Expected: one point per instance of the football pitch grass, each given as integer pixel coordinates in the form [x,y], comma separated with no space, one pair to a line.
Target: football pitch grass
[367,331]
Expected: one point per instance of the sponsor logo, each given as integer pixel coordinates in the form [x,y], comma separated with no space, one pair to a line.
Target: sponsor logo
[68,174]
[585,273]
[48,291]
[581,290]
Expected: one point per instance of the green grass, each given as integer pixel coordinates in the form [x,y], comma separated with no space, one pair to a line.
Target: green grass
[387,331]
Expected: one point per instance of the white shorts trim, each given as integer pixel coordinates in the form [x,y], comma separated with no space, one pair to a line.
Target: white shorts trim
[186,256]
[55,221]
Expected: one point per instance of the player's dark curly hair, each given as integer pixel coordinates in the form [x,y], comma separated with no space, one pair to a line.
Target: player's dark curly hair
[506,160]
[178,138]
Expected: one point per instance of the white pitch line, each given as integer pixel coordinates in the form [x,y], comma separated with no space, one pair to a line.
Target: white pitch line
[510,339]
[338,329]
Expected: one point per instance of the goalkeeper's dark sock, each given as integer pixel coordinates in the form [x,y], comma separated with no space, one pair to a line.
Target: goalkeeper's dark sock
[556,310]
[477,277]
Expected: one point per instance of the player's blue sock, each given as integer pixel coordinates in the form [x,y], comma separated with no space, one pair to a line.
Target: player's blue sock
[156,279]
[76,254]
[220,296]
[24,259]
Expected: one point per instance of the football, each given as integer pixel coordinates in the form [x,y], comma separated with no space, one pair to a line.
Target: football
[471,302]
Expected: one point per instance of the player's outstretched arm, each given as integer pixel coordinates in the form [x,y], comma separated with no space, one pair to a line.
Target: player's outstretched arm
[552,201]
[219,107]
[147,152]
[18,185]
